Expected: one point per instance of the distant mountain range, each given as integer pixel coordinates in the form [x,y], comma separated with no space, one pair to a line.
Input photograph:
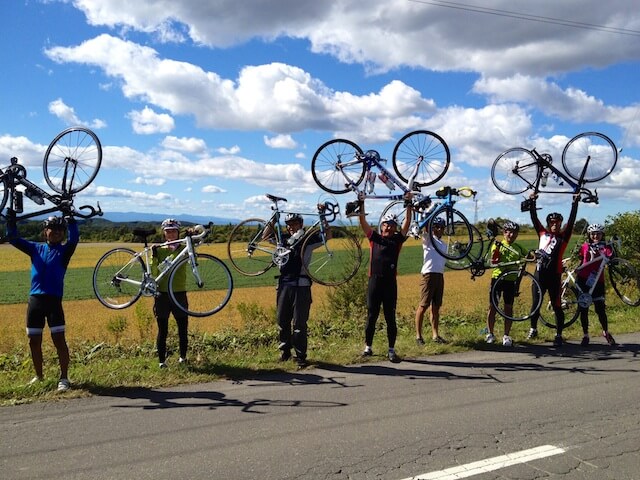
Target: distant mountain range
[125,217]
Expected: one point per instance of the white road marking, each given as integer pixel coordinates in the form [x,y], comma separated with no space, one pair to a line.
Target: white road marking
[490,464]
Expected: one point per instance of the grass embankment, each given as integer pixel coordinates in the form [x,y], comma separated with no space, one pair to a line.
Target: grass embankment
[115,349]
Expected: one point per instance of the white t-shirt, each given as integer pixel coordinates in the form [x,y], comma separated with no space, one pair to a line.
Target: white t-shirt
[432,261]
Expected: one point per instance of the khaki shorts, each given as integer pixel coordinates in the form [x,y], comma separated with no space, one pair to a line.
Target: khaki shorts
[431,289]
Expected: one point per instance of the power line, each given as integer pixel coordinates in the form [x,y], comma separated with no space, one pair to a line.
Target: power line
[529,17]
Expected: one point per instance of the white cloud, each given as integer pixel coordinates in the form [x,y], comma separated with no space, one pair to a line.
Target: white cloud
[184,144]
[68,115]
[150,181]
[280,141]
[147,122]
[229,151]
[212,189]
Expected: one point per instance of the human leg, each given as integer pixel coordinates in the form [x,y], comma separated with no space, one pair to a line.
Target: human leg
[389,303]
[302,305]
[285,299]
[35,346]
[374,300]
[161,310]
[182,321]
[60,342]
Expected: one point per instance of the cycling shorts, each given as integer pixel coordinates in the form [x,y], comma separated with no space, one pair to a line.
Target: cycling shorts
[431,289]
[505,289]
[41,308]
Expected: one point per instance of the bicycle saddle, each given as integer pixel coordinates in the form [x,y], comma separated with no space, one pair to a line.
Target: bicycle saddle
[144,233]
[273,198]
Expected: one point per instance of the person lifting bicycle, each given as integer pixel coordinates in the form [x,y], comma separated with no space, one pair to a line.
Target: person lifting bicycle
[553,241]
[592,248]
[49,262]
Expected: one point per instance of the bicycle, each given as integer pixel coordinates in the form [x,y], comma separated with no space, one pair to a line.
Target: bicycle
[71,163]
[255,245]
[122,275]
[623,278]
[420,158]
[458,235]
[587,157]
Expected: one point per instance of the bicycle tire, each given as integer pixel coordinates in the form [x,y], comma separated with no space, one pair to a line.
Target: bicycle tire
[324,165]
[514,171]
[77,149]
[528,295]
[569,301]
[334,261]
[4,194]
[249,253]
[598,148]
[475,254]
[457,237]
[207,294]
[425,145]
[397,208]
[624,280]
[110,275]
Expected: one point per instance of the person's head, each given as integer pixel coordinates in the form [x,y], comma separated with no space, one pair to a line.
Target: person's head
[294,222]
[554,222]
[171,229]
[510,231]
[595,232]
[55,229]
[438,226]
[388,225]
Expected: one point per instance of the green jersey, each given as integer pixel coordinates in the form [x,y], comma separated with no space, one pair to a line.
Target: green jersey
[506,253]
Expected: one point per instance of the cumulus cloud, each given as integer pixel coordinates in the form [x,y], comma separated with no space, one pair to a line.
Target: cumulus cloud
[280,141]
[184,144]
[68,115]
[147,122]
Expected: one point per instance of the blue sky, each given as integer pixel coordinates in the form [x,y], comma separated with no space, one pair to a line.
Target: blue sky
[203,107]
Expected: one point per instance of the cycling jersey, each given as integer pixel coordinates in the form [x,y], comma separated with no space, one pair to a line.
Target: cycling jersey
[384,254]
[590,251]
[507,253]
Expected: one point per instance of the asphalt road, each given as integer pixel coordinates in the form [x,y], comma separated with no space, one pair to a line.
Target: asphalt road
[375,420]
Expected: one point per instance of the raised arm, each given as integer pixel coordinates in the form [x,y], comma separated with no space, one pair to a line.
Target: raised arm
[408,217]
[362,217]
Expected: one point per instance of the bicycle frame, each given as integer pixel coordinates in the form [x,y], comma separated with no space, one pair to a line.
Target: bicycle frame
[585,298]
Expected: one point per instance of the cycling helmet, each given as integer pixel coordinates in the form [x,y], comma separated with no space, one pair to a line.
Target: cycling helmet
[554,216]
[390,218]
[170,224]
[372,154]
[512,226]
[293,217]
[595,227]
[55,222]
[438,222]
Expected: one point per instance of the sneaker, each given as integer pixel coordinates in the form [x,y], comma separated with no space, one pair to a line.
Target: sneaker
[557,341]
[393,357]
[285,355]
[491,338]
[585,340]
[507,341]
[35,380]
[162,365]
[64,385]
[609,338]
[533,333]
[439,339]
[182,360]
[301,362]
[420,342]
[367,352]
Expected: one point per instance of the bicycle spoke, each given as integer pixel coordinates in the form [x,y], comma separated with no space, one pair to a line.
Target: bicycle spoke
[426,148]
[592,147]
[117,278]
[526,292]
[625,281]
[328,169]
[514,171]
[569,303]
[250,251]
[334,261]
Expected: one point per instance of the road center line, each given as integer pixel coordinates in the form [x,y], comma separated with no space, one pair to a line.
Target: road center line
[490,464]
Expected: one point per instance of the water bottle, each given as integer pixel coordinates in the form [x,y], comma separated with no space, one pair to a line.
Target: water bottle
[390,185]
[591,279]
[543,180]
[371,181]
[165,263]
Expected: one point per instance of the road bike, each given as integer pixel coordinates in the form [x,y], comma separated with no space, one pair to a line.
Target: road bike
[420,158]
[71,163]
[122,275]
[587,157]
[623,279]
[458,237]
[334,253]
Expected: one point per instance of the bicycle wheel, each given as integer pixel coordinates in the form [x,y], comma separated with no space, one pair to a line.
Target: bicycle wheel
[117,278]
[333,259]
[527,298]
[208,285]
[249,252]
[597,149]
[457,237]
[423,147]
[624,280]
[475,253]
[514,171]
[569,302]
[327,166]
[396,208]
[4,193]
[72,160]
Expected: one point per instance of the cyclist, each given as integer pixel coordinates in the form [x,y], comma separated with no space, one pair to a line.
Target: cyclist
[49,261]
[382,288]
[163,307]
[293,292]
[553,241]
[592,248]
[505,250]
[431,283]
